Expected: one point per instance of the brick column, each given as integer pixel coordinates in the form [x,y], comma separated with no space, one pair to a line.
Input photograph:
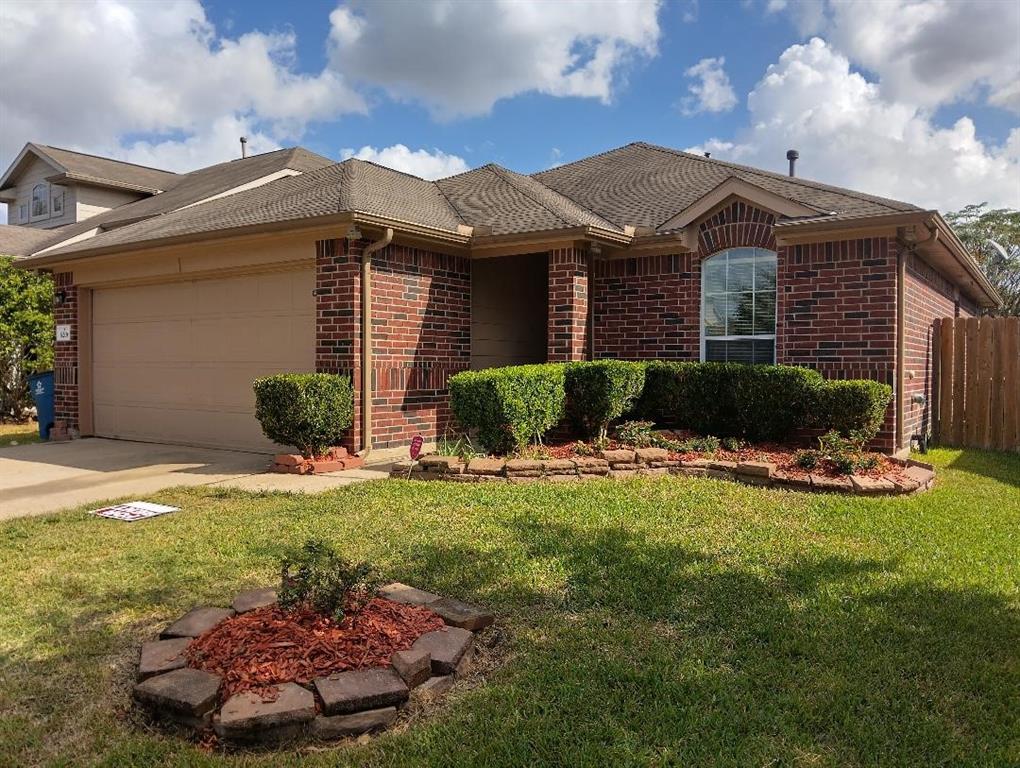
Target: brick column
[568,305]
[65,353]
[338,318]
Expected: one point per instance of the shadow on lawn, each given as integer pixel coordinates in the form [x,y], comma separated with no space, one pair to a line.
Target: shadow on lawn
[996,465]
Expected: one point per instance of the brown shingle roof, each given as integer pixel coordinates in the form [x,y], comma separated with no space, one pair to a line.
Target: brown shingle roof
[107,172]
[646,185]
[22,241]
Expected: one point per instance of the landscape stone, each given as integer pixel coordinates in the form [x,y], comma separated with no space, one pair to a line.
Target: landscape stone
[903,484]
[246,717]
[434,686]
[691,471]
[402,593]
[756,468]
[795,482]
[523,465]
[625,465]
[558,466]
[196,622]
[592,466]
[648,455]
[619,456]
[450,465]
[340,726]
[869,485]
[920,475]
[721,465]
[464,615]
[623,474]
[831,484]
[254,598]
[186,691]
[413,665]
[361,689]
[446,646]
[485,467]
[719,474]
[161,656]
[697,463]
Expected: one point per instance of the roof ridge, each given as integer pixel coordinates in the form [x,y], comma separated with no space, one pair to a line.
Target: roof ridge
[499,171]
[103,157]
[796,180]
[586,158]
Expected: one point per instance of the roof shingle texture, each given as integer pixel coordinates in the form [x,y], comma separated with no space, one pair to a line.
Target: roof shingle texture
[113,171]
[22,241]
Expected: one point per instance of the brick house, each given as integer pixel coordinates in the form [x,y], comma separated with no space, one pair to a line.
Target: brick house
[641,252]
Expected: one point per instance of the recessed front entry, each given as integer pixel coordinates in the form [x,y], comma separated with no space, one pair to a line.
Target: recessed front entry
[509,310]
[174,362]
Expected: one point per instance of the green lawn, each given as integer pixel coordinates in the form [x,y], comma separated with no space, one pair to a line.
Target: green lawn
[655,622]
[19,434]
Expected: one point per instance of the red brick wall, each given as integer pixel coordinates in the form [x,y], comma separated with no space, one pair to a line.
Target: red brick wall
[65,353]
[568,305]
[421,320]
[927,296]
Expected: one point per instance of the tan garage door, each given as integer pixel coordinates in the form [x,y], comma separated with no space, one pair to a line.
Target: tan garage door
[174,362]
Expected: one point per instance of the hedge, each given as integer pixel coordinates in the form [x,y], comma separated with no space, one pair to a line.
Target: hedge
[853,405]
[759,402]
[310,411]
[601,391]
[509,407]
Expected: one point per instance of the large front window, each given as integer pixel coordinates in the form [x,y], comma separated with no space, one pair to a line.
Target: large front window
[738,306]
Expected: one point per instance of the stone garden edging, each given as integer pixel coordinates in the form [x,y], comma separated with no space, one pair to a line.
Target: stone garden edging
[621,464]
[332,707]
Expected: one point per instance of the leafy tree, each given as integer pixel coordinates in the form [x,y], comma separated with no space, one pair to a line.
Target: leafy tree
[976,225]
[26,333]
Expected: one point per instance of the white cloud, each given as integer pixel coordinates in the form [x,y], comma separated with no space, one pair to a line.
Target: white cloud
[428,165]
[848,133]
[459,59]
[925,52]
[92,75]
[712,92]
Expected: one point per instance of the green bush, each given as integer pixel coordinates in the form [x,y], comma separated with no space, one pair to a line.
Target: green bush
[310,411]
[318,577]
[757,402]
[853,406]
[509,407]
[600,392]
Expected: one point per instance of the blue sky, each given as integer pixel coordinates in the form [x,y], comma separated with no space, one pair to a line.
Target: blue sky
[914,99]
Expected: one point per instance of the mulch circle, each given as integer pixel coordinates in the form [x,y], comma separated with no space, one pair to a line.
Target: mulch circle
[257,650]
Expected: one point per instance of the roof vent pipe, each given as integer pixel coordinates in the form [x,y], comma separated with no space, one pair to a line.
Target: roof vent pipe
[244,148]
[708,154]
[792,155]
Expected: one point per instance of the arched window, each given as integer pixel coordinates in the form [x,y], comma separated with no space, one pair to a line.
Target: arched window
[738,306]
[40,200]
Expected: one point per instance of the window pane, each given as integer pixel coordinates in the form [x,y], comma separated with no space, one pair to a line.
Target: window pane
[715,315]
[764,351]
[761,351]
[741,314]
[715,275]
[715,351]
[765,274]
[741,274]
[764,313]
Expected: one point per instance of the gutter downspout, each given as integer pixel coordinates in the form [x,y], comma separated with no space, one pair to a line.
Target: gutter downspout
[366,339]
[901,330]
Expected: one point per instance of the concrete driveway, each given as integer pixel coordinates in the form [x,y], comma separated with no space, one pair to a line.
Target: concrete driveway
[45,477]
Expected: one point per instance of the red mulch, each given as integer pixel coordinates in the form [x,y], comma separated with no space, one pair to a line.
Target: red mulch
[780,455]
[257,650]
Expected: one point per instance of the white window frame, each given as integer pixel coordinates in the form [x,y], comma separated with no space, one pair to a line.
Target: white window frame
[744,337]
[31,203]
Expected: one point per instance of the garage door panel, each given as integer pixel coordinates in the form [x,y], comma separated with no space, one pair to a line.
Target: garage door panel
[175,362]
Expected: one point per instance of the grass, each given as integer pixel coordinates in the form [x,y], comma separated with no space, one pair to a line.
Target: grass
[19,434]
[655,622]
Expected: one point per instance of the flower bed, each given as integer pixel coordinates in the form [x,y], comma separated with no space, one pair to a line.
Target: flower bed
[256,672]
[764,464]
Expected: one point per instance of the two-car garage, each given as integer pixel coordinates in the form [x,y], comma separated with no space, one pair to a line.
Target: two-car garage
[174,361]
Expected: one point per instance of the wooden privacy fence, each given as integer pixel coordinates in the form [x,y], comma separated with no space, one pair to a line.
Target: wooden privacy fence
[976,375]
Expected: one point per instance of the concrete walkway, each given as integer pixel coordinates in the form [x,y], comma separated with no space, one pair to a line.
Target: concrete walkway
[45,477]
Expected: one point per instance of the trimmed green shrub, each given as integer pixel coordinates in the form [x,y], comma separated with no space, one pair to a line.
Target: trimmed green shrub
[511,406]
[310,411]
[757,402]
[600,392]
[318,577]
[853,406]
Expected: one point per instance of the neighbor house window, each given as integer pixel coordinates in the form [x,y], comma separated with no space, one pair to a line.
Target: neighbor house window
[738,306]
[40,200]
[57,201]
[23,212]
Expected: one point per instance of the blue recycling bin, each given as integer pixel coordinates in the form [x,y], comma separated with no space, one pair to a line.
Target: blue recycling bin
[41,387]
